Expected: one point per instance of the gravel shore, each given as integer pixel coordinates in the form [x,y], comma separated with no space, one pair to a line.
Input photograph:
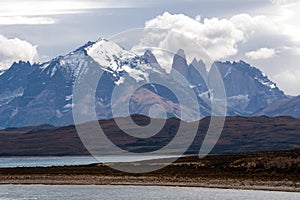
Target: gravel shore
[286,186]
[273,171]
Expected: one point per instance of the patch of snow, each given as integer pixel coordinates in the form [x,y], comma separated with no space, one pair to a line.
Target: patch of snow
[205,95]
[54,69]
[68,106]
[154,87]
[239,97]
[120,81]
[107,70]
[2,72]
[14,113]
[62,62]
[238,102]
[267,83]
[272,86]
[71,64]
[147,66]
[7,97]
[59,114]
[69,97]
[44,66]
[228,72]
[138,75]
[108,54]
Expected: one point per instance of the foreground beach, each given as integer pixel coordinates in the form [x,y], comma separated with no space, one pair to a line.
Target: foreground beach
[274,171]
[286,186]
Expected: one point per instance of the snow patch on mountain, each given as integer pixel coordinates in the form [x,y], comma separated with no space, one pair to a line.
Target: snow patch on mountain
[265,81]
[108,54]
[137,74]
[7,97]
[14,113]
[228,72]
[71,63]
[119,82]
[69,97]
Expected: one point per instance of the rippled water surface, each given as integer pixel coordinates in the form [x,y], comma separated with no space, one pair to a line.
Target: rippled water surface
[37,192]
[67,160]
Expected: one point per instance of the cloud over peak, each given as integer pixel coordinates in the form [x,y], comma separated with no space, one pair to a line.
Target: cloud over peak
[207,39]
[15,49]
[213,38]
[262,53]
[219,37]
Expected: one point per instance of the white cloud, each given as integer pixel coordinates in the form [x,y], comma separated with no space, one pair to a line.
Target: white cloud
[15,20]
[289,80]
[262,53]
[212,39]
[220,38]
[274,27]
[198,18]
[281,20]
[282,2]
[252,24]
[14,50]
[55,7]
[31,12]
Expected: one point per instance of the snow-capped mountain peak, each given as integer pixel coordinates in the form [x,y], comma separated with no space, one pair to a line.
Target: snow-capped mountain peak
[108,54]
[34,94]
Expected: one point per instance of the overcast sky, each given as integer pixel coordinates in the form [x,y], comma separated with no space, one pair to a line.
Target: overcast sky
[264,33]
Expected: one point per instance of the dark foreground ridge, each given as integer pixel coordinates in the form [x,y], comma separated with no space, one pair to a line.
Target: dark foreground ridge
[272,170]
[240,134]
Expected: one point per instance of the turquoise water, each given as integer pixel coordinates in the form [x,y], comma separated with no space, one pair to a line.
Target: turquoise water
[41,192]
[67,160]
[45,161]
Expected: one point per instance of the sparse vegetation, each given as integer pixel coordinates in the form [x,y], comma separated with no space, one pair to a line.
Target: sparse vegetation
[278,170]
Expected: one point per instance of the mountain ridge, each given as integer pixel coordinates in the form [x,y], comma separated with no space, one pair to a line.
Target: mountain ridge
[41,93]
[240,134]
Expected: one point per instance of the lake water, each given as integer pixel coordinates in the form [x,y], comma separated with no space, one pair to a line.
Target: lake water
[37,192]
[67,160]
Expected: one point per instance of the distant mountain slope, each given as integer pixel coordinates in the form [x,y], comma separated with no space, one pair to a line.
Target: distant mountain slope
[240,134]
[247,88]
[283,107]
[34,94]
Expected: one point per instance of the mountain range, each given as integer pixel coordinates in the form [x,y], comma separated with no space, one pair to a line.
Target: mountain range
[42,93]
[240,134]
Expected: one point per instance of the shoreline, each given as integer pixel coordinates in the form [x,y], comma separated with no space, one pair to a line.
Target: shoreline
[278,186]
[269,171]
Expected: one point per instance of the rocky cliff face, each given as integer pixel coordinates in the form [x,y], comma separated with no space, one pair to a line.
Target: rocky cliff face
[34,94]
[247,88]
